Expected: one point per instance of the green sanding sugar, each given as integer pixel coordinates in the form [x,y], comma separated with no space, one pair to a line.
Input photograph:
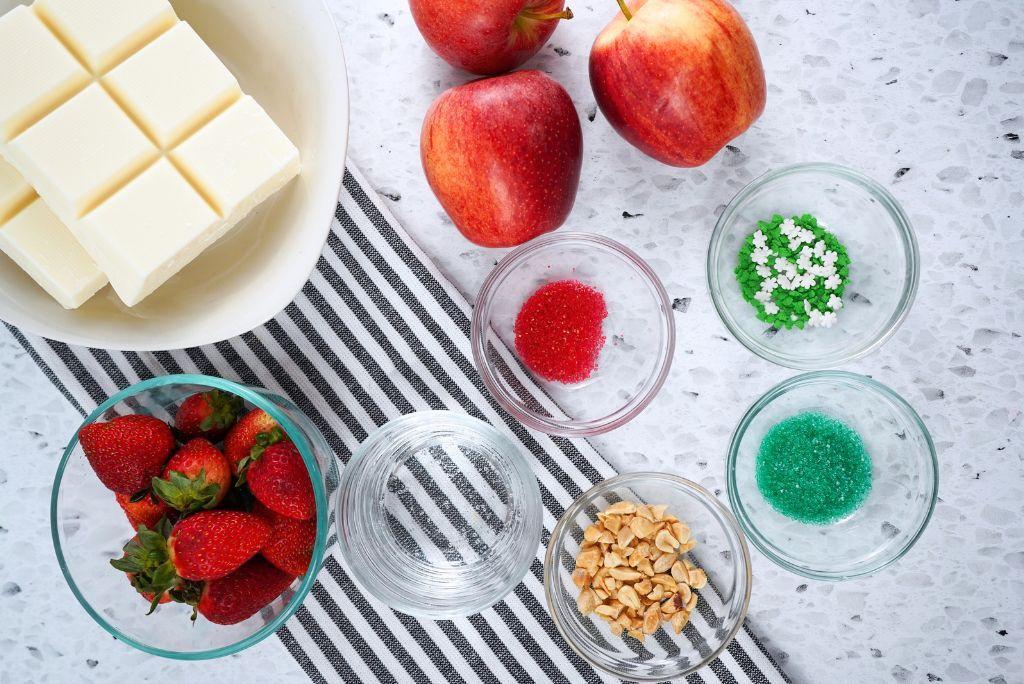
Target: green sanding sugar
[813,468]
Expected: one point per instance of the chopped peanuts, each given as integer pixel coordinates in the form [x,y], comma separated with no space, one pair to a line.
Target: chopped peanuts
[631,570]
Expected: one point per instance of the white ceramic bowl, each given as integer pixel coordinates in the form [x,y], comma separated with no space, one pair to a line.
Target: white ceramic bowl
[288,56]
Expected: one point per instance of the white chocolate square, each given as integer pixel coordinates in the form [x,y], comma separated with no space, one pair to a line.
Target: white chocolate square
[45,249]
[103,32]
[81,152]
[149,230]
[239,159]
[173,85]
[36,72]
[15,193]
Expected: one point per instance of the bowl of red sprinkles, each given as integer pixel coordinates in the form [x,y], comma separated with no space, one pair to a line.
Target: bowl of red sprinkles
[583,317]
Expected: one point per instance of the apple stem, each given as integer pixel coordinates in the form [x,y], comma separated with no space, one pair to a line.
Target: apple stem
[534,16]
[625,10]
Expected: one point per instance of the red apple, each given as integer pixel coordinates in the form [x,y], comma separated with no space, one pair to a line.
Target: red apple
[679,79]
[503,156]
[487,36]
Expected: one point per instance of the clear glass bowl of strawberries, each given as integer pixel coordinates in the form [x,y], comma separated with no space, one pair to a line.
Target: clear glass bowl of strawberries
[190,514]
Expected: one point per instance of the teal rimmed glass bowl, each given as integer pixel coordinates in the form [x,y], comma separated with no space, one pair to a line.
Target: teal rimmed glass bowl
[89,529]
[904,478]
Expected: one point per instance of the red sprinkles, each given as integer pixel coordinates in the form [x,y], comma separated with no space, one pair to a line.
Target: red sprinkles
[558,331]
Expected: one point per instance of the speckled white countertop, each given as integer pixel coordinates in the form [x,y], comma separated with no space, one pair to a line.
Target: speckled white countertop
[927,96]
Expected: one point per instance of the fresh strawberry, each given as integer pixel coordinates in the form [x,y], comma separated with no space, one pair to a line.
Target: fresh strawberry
[290,544]
[144,511]
[197,477]
[127,452]
[278,478]
[255,429]
[243,593]
[206,545]
[208,414]
[212,544]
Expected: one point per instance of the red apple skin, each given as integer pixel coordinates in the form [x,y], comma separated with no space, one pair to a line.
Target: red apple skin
[503,156]
[680,79]
[486,36]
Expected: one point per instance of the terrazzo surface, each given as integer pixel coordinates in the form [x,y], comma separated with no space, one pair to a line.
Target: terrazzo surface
[926,96]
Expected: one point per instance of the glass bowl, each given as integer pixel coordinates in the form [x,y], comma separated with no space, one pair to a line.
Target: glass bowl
[439,515]
[722,604]
[905,478]
[884,269]
[89,529]
[639,331]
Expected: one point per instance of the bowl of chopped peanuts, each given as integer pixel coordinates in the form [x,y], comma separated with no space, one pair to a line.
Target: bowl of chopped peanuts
[647,576]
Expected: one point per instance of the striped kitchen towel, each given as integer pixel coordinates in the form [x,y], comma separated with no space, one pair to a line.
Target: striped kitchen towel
[378,332]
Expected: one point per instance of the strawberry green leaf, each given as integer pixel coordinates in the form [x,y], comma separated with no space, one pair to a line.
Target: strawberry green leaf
[126,565]
[165,575]
[187,592]
[147,560]
[224,410]
[262,441]
[164,527]
[186,494]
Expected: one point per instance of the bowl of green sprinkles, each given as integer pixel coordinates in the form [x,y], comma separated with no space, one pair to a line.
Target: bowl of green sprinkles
[832,475]
[813,265]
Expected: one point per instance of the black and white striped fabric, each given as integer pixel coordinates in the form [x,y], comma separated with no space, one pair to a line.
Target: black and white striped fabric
[378,332]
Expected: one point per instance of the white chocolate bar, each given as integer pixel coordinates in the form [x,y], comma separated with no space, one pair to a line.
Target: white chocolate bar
[136,137]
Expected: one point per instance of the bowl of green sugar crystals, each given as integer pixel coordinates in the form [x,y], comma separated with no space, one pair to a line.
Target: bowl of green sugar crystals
[832,475]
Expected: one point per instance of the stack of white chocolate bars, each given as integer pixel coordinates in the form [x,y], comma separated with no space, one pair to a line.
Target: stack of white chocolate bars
[129,146]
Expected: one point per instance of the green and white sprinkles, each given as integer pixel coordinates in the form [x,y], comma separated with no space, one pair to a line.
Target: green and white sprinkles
[793,272]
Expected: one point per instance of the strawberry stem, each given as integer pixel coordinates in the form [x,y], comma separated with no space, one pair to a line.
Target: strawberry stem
[625,9]
[263,440]
[139,496]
